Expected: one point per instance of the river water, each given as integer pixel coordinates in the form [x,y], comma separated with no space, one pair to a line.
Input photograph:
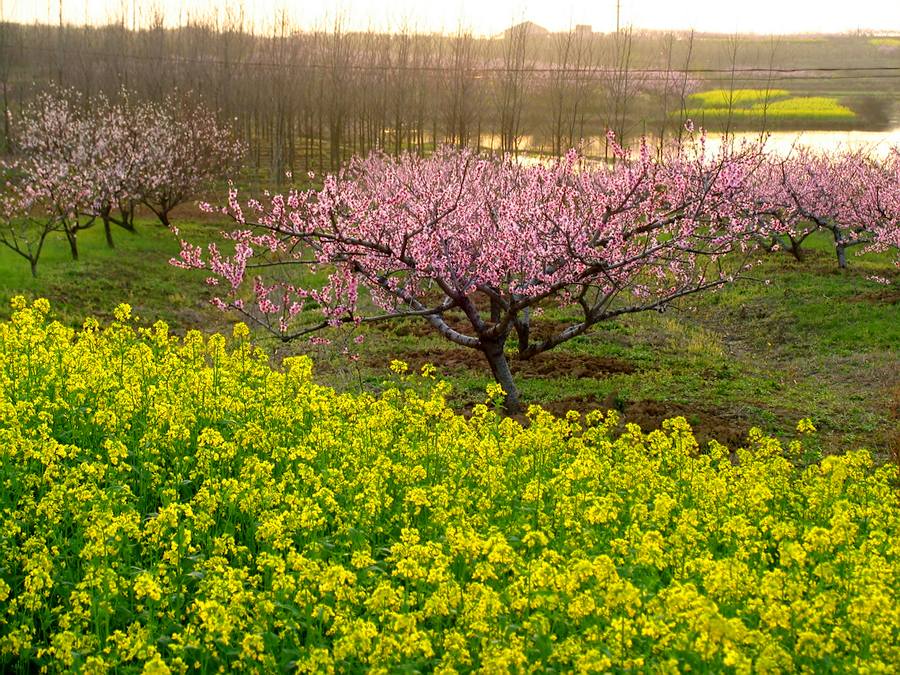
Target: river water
[879,143]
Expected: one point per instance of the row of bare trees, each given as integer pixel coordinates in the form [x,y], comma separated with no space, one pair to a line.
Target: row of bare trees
[308,100]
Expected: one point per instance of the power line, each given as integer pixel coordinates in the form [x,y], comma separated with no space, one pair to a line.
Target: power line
[824,72]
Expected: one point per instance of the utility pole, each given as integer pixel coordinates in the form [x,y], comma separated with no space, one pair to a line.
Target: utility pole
[618,14]
[59,46]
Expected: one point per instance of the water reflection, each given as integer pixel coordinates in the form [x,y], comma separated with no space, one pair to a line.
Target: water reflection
[780,143]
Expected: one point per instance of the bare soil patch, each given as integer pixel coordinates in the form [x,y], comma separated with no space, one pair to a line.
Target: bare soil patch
[885,296]
[541,329]
[562,364]
[549,365]
[707,422]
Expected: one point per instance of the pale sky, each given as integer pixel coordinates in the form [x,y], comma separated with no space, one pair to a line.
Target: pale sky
[492,16]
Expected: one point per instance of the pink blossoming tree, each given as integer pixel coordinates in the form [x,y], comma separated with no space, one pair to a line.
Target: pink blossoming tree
[491,241]
[184,148]
[33,205]
[850,194]
[119,156]
[884,206]
[56,147]
[81,160]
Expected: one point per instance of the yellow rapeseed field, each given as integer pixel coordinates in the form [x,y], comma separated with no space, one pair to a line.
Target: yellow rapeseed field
[775,105]
[172,505]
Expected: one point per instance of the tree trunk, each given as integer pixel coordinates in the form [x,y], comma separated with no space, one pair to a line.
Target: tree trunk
[73,243]
[841,256]
[522,326]
[5,116]
[33,263]
[108,231]
[127,217]
[840,248]
[502,375]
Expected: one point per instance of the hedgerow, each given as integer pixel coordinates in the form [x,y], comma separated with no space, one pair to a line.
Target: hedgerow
[180,504]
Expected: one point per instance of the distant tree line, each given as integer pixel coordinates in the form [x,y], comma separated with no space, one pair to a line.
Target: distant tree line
[308,101]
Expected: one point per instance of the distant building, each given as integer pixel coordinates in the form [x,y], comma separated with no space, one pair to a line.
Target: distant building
[530,28]
[584,29]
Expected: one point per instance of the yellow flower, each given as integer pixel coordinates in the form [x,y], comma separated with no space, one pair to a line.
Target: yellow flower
[495,393]
[145,586]
[42,305]
[399,367]
[122,312]
[172,503]
[156,666]
[805,426]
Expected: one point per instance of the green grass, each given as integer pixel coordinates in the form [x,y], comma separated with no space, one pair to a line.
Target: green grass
[815,341]
[136,271]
